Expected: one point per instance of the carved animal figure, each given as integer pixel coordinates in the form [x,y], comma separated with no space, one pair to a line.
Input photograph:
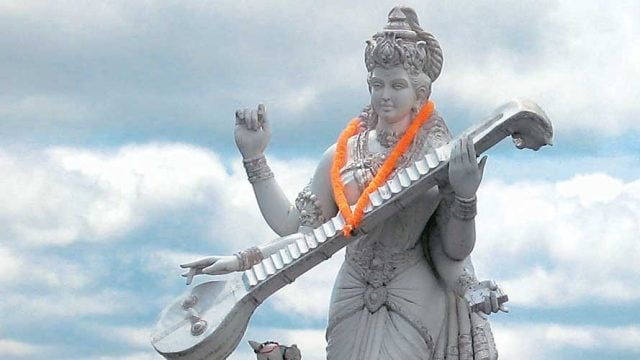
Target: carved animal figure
[270,350]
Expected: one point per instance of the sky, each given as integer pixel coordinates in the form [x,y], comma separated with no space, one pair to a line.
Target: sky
[118,161]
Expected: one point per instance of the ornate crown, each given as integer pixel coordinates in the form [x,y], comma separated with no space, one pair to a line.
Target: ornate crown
[398,44]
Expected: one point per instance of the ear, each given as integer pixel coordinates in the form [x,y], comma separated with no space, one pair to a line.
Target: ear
[422,94]
[255,345]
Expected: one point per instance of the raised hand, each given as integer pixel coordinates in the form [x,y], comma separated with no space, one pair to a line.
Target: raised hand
[252,132]
[465,173]
[212,265]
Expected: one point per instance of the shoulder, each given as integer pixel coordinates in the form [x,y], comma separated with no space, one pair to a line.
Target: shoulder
[322,173]
[327,157]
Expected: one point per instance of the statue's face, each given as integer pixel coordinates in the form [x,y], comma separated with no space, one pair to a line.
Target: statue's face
[392,95]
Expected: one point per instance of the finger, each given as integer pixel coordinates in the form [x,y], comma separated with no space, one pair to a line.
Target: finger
[192,264]
[254,120]
[239,117]
[481,165]
[465,150]
[246,115]
[200,263]
[493,285]
[189,275]
[262,116]
[455,153]
[192,271]
[487,306]
[494,302]
[471,149]
[503,308]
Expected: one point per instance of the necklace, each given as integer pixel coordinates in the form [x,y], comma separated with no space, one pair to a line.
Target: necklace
[387,138]
[353,218]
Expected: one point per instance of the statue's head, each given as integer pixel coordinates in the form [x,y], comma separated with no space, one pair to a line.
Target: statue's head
[403,61]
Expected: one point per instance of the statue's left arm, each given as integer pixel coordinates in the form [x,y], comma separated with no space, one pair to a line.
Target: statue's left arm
[465,174]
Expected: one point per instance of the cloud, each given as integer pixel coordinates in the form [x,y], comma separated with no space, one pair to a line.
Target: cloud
[130,336]
[62,304]
[561,243]
[552,341]
[161,70]
[131,356]
[10,265]
[48,272]
[572,61]
[16,349]
[66,195]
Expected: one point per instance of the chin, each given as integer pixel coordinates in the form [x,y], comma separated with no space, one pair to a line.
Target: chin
[391,118]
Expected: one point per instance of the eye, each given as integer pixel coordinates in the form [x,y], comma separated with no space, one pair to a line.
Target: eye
[376,85]
[399,86]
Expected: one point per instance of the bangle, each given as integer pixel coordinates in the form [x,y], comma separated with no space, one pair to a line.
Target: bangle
[464,209]
[464,283]
[249,257]
[257,169]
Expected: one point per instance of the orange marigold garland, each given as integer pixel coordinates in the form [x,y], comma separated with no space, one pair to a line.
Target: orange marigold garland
[354,218]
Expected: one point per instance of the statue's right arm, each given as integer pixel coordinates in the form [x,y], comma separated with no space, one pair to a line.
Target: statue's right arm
[285,219]
[252,134]
[315,203]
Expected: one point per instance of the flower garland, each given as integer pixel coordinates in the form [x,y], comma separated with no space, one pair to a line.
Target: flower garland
[354,218]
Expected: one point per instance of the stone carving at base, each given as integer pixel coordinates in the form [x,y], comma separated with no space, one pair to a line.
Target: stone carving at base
[271,350]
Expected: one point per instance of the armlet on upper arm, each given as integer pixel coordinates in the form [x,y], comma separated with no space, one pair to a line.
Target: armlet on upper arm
[309,206]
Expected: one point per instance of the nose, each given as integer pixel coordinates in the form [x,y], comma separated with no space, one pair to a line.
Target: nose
[386,94]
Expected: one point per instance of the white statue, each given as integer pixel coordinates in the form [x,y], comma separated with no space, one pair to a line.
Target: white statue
[407,288]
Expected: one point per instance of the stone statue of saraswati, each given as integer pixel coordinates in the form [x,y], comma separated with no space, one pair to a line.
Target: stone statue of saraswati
[400,193]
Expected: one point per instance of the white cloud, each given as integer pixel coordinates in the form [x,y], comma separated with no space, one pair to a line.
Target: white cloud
[299,100]
[17,269]
[25,308]
[67,195]
[135,337]
[131,356]
[573,61]
[12,348]
[548,341]
[138,179]
[579,63]
[564,243]
[10,265]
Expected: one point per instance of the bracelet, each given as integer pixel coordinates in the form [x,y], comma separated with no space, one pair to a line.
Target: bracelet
[464,209]
[249,257]
[257,169]
[464,283]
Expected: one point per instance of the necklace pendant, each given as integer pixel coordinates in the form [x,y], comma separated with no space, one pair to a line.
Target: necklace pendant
[387,138]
